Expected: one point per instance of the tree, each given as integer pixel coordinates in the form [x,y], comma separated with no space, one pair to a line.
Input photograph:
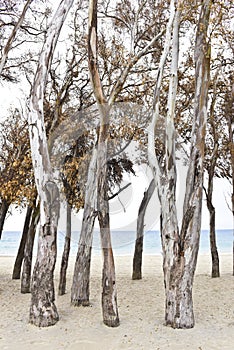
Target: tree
[16,180]
[180,248]
[43,311]
[137,259]
[13,35]
[105,102]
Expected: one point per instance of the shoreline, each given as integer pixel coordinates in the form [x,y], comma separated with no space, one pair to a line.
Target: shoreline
[141,311]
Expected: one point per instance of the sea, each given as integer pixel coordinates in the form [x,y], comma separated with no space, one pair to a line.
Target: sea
[123,242]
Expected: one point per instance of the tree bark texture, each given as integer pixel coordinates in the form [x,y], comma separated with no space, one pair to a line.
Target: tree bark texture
[28,252]
[43,311]
[66,251]
[137,259]
[179,303]
[3,212]
[80,286]
[180,248]
[109,292]
[20,254]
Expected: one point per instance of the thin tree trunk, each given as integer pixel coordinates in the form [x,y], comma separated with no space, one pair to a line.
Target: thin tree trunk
[43,311]
[214,251]
[137,259]
[28,252]
[209,194]
[80,285]
[230,114]
[109,293]
[13,35]
[66,251]
[20,254]
[3,212]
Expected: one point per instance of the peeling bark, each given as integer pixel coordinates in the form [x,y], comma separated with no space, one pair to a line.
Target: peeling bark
[43,311]
[179,303]
[81,276]
[137,259]
[180,248]
[109,293]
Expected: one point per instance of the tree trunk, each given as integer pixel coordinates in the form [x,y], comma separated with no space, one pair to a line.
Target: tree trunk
[109,294]
[213,247]
[137,259]
[3,211]
[179,273]
[66,251]
[81,277]
[20,254]
[43,311]
[28,252]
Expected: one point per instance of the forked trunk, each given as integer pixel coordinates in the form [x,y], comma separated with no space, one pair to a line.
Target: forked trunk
[81,277]
[20,254]
[137,259]
[3,211]
[66,252]
[28,252]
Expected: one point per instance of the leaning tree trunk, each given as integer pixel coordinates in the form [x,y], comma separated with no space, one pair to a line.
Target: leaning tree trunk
[3,212]
[66,252]
[28,252]
[20,254]
[43,311]
[80,285]
[137,259]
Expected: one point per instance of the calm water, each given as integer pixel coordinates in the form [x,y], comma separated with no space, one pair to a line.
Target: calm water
[123,242]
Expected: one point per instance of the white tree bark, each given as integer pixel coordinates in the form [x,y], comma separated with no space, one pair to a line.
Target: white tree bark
[180,248]
[43,311]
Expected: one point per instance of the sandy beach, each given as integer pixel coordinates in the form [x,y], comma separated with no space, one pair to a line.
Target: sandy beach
[141,311]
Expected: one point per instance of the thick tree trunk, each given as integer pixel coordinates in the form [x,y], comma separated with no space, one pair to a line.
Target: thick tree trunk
[3,211]
[28,252]
[137,259]
[180,272]
[66,251]
[81,277]
[43,311]
[20,254]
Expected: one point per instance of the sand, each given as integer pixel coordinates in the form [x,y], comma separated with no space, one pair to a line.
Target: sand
[141,310]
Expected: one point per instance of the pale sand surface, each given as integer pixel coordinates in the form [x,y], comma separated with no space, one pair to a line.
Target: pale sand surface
[141,310]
